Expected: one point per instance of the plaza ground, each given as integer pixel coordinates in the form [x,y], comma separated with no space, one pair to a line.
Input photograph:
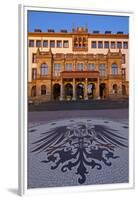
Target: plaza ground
[41,175]
[80,105]
[37,117]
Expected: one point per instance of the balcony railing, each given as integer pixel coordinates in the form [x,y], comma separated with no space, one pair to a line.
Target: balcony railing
[103,77]
[83,48]
[79,74]
[115,76]
[43,77]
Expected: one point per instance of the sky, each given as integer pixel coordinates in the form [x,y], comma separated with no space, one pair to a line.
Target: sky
[57,21]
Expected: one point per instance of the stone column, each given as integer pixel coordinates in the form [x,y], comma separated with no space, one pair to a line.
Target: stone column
[61,90]
[86,89]
[38,90]
[120,89]
[74,65]
[85,65]
[97,89]
[74,90]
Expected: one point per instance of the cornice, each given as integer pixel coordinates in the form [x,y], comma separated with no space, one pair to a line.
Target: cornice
[70,35]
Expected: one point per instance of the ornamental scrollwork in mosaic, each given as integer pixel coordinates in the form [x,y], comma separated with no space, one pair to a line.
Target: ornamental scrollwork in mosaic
[83,146]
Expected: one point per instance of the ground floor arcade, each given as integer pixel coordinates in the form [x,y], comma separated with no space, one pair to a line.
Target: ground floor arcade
[77,89]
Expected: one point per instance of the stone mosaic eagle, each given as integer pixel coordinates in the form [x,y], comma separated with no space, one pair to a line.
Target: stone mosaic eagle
[79,145]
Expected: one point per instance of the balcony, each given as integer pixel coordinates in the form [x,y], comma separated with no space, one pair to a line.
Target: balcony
[83,48]
[79,74]
[115,76]
[43,77]
[103,77]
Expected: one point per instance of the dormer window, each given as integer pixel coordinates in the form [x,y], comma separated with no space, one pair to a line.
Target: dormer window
[65,43]
[52,43]
[100,44]
[59,44]
[38,43]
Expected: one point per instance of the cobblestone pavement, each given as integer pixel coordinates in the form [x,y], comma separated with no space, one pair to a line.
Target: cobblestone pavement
[67,148]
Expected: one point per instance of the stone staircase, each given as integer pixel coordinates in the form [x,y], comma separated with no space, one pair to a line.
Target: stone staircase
[81,105]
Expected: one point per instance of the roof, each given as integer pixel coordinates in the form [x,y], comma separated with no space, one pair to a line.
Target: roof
[70,34]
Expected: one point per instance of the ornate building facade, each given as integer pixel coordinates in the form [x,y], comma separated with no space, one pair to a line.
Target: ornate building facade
[77,65]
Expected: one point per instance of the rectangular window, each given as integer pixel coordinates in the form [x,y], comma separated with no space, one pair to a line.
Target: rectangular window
[31,43]
[102,69]
[68,67]
[90,66]
[119,45]
[123,73]
[34,73]
[34,58]
[66,44]
[52,43]
[114,69]
[59,44]
[106,45]
[100,44]
[56,69]
[125,45]
[45,43]
[112,45]
[123,58]
[44,69]
[80,67]
[38,43]
[93,44]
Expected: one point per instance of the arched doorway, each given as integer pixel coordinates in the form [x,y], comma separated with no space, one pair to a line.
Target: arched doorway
[80,91]
[56,91]
[102,90]
[91,90]
[33,91]
[115,89]
[68,91]
[43,90]
[123,90]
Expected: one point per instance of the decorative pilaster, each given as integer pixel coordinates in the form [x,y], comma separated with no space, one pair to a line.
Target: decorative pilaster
[61,90]
[86,89]
[97,89]
[74,90]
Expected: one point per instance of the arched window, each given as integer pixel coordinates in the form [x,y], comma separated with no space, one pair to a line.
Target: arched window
[57,68]
[90,66]
[44,69]
[43,90]
[115,89]
[123,90]
[102,69]
[114,69]
[68,67]
[80,67]
[33,91]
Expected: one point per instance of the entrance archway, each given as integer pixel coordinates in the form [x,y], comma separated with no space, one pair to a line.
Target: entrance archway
[43,90]
[33,91]
[115,89]
[102,90]
[68,91]
[123,90]
[90,90]
[80,91]
[56,91]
